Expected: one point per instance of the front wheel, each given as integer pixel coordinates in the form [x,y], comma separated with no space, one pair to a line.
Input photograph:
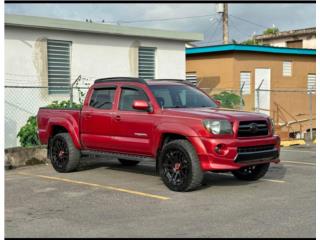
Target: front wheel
[179,166]
[251,173]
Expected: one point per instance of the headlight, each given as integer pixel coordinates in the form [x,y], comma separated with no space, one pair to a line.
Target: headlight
[272,125]
[218,126]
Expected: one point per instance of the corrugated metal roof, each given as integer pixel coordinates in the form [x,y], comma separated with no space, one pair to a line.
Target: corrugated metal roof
[250,48]
[98,28]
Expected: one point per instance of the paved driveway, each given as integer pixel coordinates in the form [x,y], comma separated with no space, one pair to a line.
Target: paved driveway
[106,199]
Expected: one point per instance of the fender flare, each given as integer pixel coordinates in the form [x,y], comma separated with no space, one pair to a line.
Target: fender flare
[71,126]
[171,128]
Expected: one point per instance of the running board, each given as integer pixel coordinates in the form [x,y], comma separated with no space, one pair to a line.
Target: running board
[117,155]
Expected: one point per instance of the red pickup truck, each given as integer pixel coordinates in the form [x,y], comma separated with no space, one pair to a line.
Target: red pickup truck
[167,121]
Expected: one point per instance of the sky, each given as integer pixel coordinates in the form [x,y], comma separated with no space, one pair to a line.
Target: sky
[245,19]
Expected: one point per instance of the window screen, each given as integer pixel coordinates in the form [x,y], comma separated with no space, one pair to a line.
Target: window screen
[102,98]
[58,66]
[192,77]
[312,83]
[146,63]
[245,78]
[128,96]
[287,69]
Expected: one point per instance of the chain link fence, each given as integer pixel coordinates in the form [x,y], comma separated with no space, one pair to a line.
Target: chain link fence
[23,100]
[293,110]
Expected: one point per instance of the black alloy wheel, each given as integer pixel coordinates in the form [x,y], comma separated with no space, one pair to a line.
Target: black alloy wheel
[179,166]
[176,168]
[60,153]
[65,157]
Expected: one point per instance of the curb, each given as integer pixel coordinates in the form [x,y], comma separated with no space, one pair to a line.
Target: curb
[292,142]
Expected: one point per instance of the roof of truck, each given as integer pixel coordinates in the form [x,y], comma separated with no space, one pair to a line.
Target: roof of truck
[139,80]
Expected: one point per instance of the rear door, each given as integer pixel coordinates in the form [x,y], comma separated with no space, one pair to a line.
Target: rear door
[133,128]
[97,119]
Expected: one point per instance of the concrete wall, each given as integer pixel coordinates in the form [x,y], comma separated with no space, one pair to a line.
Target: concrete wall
[213,71]
[92,55]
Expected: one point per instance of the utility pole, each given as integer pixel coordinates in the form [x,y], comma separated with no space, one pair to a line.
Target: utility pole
[225,24]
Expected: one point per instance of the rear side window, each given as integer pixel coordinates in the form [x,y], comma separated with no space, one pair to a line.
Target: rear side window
[102,98]
[128,96]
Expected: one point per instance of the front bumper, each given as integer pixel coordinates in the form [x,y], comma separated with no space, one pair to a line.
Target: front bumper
[232,158]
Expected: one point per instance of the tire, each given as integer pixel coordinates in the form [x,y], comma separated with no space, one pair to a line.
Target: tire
[179,166]
[126,162]
[251,173]
[64,156]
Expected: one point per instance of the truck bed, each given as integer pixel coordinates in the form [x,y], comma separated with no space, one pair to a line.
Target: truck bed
[48,118]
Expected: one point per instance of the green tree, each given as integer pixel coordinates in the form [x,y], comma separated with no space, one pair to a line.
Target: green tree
[28,133]
[228,99]
[249,42]
[272,30]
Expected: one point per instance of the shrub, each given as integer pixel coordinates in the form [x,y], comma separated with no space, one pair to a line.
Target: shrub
[228,99]
[28,133]
[63,105]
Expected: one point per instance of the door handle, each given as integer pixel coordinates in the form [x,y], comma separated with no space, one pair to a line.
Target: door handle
[117,118]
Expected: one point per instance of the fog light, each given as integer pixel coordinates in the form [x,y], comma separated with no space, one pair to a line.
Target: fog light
[221,149]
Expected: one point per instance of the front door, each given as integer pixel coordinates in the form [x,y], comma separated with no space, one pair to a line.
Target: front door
[262,98]
[133,128]
[97,118]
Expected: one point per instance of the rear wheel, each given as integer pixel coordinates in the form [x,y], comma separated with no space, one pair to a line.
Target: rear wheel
[251,173]
[179,166]
[65,157]
[126,162]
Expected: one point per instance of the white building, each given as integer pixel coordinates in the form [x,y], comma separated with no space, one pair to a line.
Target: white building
[52,53]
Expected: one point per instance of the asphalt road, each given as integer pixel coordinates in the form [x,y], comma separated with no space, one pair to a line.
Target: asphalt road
[108,200]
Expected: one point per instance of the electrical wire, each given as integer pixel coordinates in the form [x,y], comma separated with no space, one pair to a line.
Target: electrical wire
[247,21]
[232,25]
[160,19]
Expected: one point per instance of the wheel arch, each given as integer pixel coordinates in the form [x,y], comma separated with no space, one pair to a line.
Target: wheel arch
[56,126]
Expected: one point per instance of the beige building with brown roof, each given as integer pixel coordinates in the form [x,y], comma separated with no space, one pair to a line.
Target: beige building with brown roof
[300,38]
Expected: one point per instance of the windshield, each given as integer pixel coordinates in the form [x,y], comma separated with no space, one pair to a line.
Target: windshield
[181,96]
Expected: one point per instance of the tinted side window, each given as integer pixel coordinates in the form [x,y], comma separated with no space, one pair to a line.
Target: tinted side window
[128,96]
[102,98]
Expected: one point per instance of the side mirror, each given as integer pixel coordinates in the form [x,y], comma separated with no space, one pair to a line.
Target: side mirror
[142,105]
[218,102]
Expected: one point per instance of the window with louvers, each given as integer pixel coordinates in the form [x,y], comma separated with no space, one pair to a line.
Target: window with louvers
[287,69]
[245,78]
[312,83]
[146,63]
[192,77]
[58,66]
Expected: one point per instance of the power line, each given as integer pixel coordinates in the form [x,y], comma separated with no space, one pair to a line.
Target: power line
[160,19]
[210,27]
[211,39]
[237,29]
[247,21]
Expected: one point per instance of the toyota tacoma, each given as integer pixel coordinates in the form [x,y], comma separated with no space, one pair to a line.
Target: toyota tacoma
[167,121]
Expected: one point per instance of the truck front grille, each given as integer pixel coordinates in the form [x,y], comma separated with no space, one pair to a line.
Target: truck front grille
[253,128]
[255,148]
